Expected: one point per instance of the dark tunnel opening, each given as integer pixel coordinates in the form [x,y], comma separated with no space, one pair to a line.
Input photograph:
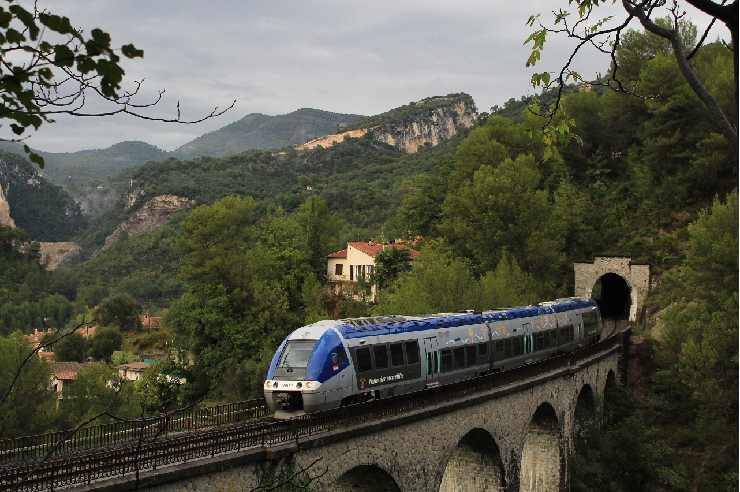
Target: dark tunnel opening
[613,296]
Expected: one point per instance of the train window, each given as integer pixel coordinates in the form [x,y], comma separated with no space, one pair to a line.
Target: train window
[446,356]
[483,350]
[470,355]
[518,343]
[459,357]
[381,356]
[397,354]
[412,352]
[539,341]
[363,359]
[507,347]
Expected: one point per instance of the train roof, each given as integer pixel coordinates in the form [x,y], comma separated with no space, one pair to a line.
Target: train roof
[387,325]
[405,324]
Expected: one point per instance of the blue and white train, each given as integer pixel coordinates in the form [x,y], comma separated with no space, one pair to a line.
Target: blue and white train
[335,362]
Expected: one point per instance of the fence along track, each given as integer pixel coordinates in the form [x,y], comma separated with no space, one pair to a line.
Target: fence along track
[147,455]
[32,448]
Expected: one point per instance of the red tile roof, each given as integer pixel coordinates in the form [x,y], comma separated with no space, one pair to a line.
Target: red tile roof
[371,248]
[342,253]
[66,371]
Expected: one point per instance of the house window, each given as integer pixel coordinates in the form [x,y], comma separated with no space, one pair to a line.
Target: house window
[351,272]
[338,269]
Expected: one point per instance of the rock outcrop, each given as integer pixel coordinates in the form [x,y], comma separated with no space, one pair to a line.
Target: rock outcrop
[408,128]
[154,213]
[53,254]
[333,139]
[5,218]
[430,126]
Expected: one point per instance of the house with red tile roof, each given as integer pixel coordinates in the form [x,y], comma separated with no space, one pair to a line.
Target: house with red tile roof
[347,267]
[63,374]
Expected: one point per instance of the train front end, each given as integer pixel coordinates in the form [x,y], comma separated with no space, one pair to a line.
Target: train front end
[307,372]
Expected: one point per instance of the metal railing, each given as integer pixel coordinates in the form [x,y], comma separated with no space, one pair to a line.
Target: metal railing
[146,455]
[61,443]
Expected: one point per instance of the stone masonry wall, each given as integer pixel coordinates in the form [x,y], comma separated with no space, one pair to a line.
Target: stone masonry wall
[636,276]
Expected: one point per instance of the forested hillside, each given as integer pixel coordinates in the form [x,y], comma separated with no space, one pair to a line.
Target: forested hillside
[260,131]
[502,213]
[44,210]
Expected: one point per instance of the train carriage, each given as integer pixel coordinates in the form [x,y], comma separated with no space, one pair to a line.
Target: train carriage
[335,362]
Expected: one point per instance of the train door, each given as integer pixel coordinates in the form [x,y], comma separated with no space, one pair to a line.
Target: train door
[431,359]
[528,345]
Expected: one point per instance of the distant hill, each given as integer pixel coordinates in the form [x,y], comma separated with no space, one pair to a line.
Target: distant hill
[260,131]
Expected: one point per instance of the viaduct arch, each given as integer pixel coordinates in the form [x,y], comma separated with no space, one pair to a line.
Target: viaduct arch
[618,285]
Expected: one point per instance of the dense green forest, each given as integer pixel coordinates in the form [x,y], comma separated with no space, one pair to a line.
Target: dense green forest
[502,214]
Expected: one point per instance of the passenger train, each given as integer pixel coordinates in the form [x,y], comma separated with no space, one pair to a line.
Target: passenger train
[336,362]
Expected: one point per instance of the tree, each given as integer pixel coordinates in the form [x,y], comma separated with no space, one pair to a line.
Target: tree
[71,348]
[606,35]
[119,310]
[28,408]
[320,228]
[237,305]
[508,285]
[437,282]
[106,341]
[504,208]
[51,67]
[389,264]
[98,394]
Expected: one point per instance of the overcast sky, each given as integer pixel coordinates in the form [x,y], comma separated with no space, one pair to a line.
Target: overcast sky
[277,56]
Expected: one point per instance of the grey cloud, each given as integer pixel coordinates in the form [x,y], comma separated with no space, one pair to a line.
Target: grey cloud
[277,56]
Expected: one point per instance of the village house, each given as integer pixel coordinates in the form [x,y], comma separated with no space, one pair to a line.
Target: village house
[133,371]
[63,376]
[346,268]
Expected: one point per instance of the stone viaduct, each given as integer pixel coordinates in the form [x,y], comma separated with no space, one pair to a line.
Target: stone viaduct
[512,437]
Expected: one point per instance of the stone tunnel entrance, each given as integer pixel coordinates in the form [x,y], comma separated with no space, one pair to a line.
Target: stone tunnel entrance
[366,478]
[613,295]
[541,459]
[618,286]
[475,465]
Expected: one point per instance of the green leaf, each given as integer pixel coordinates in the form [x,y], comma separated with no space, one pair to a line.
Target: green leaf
[63,56]
[5,18]
[27,19]
[130,51]
[57,23]
[14,36]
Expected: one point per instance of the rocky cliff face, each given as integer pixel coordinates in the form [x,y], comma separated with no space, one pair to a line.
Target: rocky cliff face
[5,218]
[426,122]
[430,127]
[154,213]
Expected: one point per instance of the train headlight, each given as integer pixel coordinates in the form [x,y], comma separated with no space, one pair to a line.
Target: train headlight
[310,385]
[298,385]
[275,384]
[267,383]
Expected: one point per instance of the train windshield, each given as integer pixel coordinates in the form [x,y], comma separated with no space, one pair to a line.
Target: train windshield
[297,353]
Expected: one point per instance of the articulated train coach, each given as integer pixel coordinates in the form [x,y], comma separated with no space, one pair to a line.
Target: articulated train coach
[336,362]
